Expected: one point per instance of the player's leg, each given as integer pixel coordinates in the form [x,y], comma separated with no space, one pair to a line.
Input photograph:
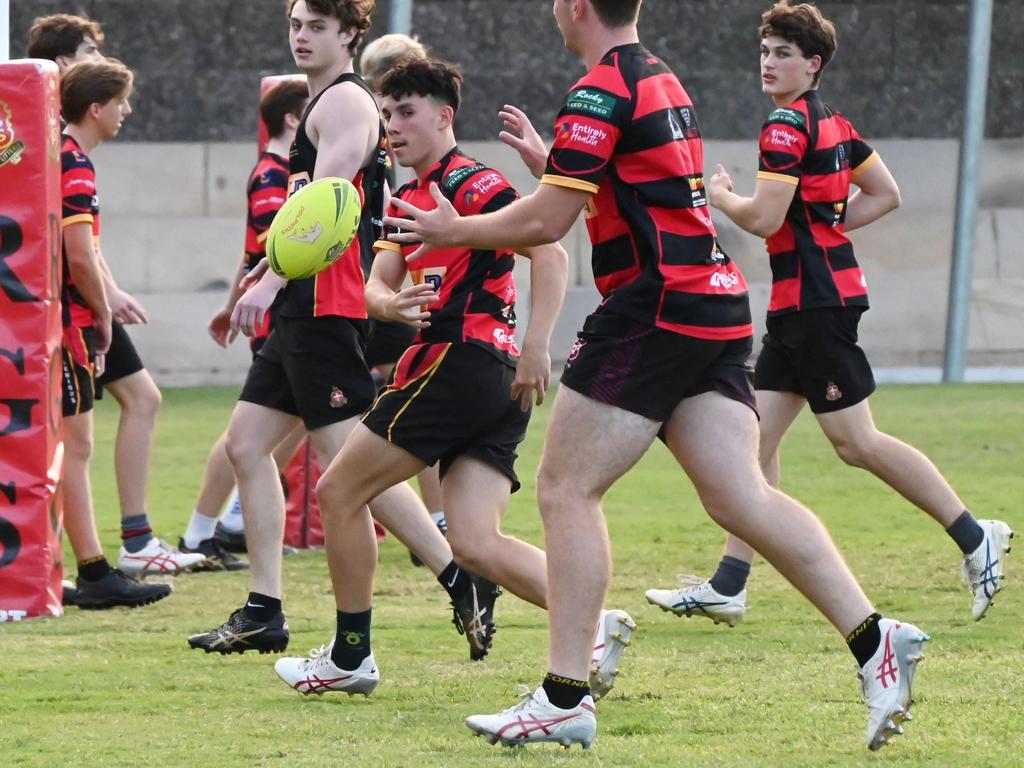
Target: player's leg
[79,520]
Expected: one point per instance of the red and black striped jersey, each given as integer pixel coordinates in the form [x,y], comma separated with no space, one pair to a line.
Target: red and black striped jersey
[628,133]
[809,144]
[266,192]
[339,289]
[476,290]
[79,204]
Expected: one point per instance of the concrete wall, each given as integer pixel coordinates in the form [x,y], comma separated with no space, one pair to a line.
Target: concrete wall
[174,217]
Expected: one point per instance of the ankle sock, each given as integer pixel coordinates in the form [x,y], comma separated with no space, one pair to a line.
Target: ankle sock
[455,581]
[200,528]
[136,532]
[232,517]
[352,641]
[731,576]
[865,639]
[93,569]
[966,532]
[564,692]
[261,607]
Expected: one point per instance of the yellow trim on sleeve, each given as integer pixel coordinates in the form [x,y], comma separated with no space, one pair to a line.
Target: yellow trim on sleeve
[387,245]
[873,158]
[769,176]
[78,218]
[565,181]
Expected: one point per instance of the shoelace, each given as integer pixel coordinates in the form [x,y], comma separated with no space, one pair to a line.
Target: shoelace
[526,694]
[690,581]
[317,654]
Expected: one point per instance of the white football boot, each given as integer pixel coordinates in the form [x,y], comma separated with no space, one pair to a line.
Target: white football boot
[157,557]
[887,678]
[614,634]
[317,674]
[535,719]
[698,598]
[983,568]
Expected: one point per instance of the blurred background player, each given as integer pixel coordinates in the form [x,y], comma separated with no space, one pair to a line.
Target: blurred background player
[312,367]
[460,397]
[208,533]
[388,340]
[65,40]
[94,101]
[809,157]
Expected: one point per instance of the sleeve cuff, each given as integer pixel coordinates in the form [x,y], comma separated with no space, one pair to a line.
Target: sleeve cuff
[873,158]
[769,176]
[565,181]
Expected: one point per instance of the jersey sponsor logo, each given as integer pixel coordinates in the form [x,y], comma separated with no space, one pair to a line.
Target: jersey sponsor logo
[697,193]
[686,130]
[504,338]
[837,212]
[579,133]
[724,280]
[454,180]
[791,116]
[782,137]
[591,102]
[842,158]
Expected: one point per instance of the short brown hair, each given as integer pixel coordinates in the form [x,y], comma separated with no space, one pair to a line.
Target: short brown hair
[805,27]
[386,52]
[92,82]
[286,98]
[351,14]
[617,13]
[60,35]
[424,77]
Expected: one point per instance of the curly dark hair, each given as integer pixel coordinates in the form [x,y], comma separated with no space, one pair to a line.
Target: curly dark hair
[805,27]
[424,77]
[352,14]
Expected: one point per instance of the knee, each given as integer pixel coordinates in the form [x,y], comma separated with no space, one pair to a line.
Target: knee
[557,490]
[332,492]
[855,453]
[240,452]
[77,447]
[144,402]
[470,550]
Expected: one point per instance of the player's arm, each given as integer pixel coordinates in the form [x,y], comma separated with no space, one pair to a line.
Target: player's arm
[84,267]
[877,193]
[520,134]
[540,218]
[220,323]
[342,145]
[549,271]
[385,297]
[762,214]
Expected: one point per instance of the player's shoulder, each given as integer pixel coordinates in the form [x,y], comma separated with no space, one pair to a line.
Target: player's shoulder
[72,157]
[795,115]
[474,187]
[462,169]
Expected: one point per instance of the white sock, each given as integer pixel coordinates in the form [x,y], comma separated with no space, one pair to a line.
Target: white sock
[437,517]
[200,528]
[232,518]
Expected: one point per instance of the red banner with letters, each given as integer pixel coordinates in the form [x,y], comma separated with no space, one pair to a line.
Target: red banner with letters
[30,341]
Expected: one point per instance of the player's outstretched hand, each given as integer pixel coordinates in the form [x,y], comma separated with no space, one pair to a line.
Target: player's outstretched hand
[252,306]
[533,376]
[255,274]
[520,134]
[720,182]
[125,308]
[409,305]
[431,228]
[220,327]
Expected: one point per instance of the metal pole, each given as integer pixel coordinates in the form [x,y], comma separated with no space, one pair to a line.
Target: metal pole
[400,17]
[5,30]
[962,270]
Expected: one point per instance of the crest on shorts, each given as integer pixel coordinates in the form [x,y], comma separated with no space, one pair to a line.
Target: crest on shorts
[338,398]
[832,392]
[577,345]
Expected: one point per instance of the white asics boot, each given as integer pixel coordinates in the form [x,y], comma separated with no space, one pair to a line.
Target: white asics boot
[535,719]
[157,557]
[983,568]
[698,598]
[614,634]
[887,678]
[317,674]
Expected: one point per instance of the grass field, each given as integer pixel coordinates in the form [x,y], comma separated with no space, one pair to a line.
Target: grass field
[121,687]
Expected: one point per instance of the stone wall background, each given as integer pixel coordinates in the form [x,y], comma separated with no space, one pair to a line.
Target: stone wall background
[899,72]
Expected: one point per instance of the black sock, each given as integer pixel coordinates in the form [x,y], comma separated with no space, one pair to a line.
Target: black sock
[352,642]
[455,581]
[966,532]
[564,692]
[731,576]
[94,569]
[262,607]
[865,639]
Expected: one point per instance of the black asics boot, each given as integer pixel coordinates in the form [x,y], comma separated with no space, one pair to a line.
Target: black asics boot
[240,634]
[473,615]
[117,588]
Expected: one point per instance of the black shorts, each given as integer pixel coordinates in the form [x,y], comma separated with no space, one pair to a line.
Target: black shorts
[312,367]
[78,386]
[122,359]
[387,342]
[255,345]
[814,353]
[451,400]
[649,371]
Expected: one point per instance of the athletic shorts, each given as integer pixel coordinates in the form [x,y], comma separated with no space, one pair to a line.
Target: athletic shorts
[122,359]
[814,353]
[450,400]
[387,342]
[648,371]
[313,368]
[78,386]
